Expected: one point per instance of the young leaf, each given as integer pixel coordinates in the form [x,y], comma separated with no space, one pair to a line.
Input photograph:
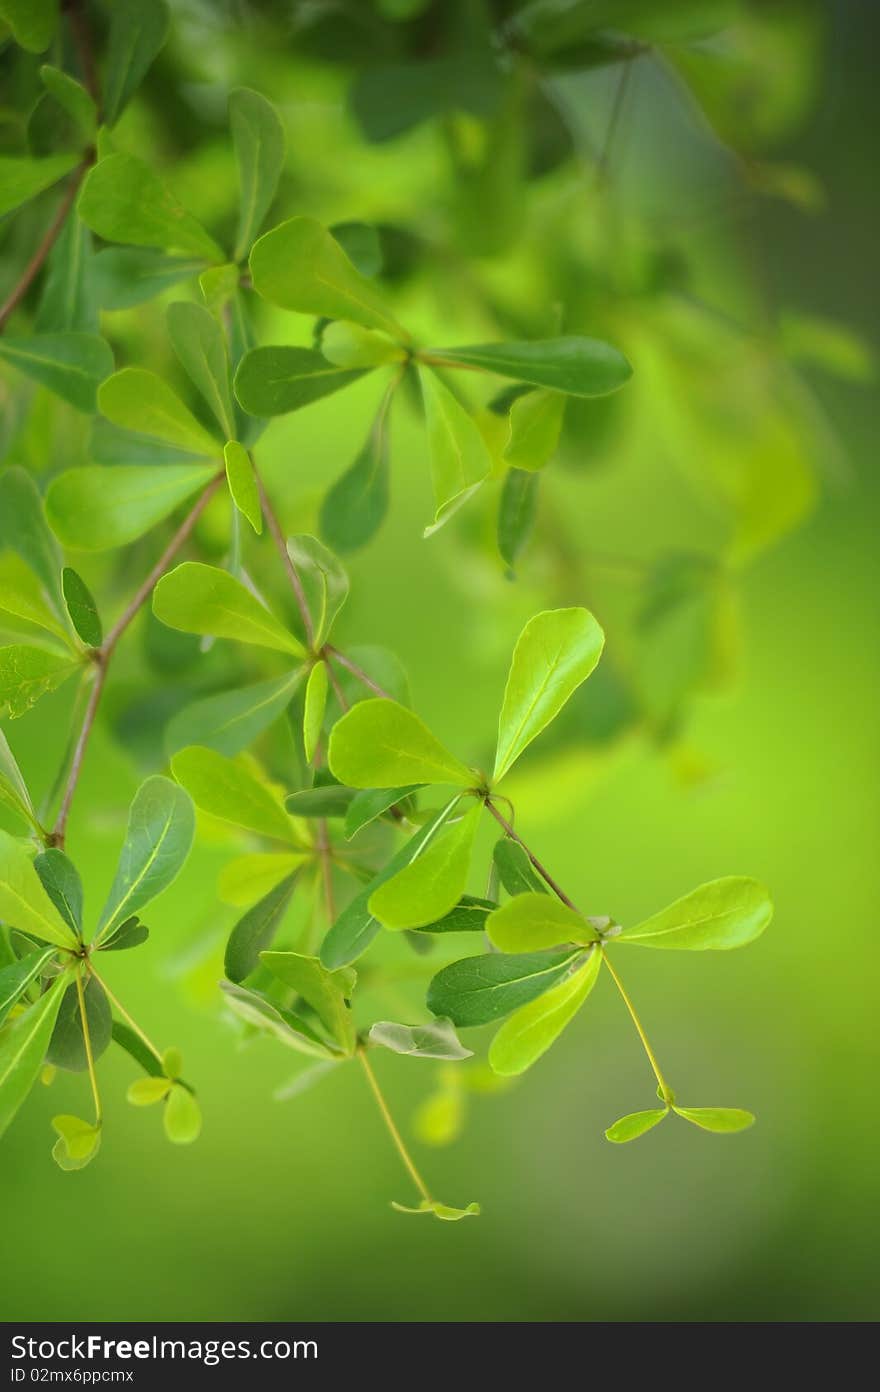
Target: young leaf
[67,1047]
[28,673]
[348,345]
[98,509]
[146,1092]
[354,508]
[123,200]
[371,803]
[468,916]
[535,423]
[255,930]
[477,990]
[15,979]
[356,926]
[181,1118]
[139,400]
[315,706]
[576,366]
[78,1142]
[515,870]
[23,1047]
[723,1120]
[629,1128]
[722,914]
[197,598]
[460,459]
[440,1210]
[242,483]
[82,608]
[436,1040]
[273,381]
[528,1033]
[516,513]
[60,879]
[271,1018]
[72,365]
[68,300]
[129,934]
[123,277]
[231,720]
[200,345]
[138,29]
[556,651]
[325,991]
[23,528]
[324,581]
[22,179]
[24,903]
[13,789]
[227,789]
[432,884]
[530,922]
[381,744]
[300,266]
[258,138]
[161,825]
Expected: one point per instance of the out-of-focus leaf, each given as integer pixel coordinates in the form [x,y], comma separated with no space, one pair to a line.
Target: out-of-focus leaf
[182,1117]
[371,803]
[516,513]
[256,929]
[200,345]
[22,179]
[460,459]
[28,673]
[355,506]
[226,788]
[258,138]
[315,707]
[72,365]
[23,528]
[436,1040]
[68,302]
[575,366]
[97,508]
[123,277]
[324,581]
[231,720]
[269,1017]
[138,29]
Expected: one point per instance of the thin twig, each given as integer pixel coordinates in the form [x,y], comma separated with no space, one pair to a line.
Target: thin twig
[104,654]
[128,1019]
[337,689]
[392,1128]
[82,39]
[358,672]
[35,265]
[544,873]
[87,1041]
[292,573]
[665,1089]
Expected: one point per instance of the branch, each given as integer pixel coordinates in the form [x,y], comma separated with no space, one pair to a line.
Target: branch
[292,573]
[104,654]
[82,39]
[35,265]
[358,672]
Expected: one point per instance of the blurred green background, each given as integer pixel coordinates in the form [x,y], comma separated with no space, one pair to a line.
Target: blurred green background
[281,1210]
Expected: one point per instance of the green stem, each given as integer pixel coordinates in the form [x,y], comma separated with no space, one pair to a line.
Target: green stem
[665,1089]
[87,1040]
[392,1129]
[132,1024]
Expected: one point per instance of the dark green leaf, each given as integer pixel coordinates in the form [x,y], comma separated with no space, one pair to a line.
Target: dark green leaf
[73,98]
[60,879]
[67,1048]
[138,29]
[468,916]
[390,99]
[231,720]
[129,934]
[258,138]
[327,800]
[70,364]
[82,608]
[371,803]
[22,179]
[161,824]
[576,366]
[516,513]
[68,302]
[256,929]
[126,276]
[477,990]
[327,992]
[355,506]
[273,381]
[515,870]
[200,345]
[136,1049]
[361,244]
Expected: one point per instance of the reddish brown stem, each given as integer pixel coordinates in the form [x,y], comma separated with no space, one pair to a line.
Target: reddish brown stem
[299,593]
[82,39]
[358,672]
[35,265]
[545,874]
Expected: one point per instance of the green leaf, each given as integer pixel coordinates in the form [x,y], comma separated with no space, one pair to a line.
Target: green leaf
[354,508]
[271,1018]
[477,990]
[72,97]
[381,744]
[23,597]
[23,1047]
[60,879]
[255,930]
[723,1120]
[630,1127]
[200,345]
[273,381]
[535,423]
[123,200]
[82,608]
[300,266]
[33,22]
[258,138]
[722,914]
[515,870]
[161,824]
[361,243]
[390,98]
[146,1092]
[22,179]
[432,884]
[356,926]
[247,878]
[516,513]
[576,366]
[530,922]
[349,345]
[231,720]
[139,400]
[24,903]
[68,300]
[315,707]
[242,483]
[556,651]
[528,1033]
[371,803]
[28,673]
[123,277]
[172,1063]
[78,1142]
[67,1047]
[460,459]
[129,934]
[136,1049]
[440,1210]
[97,508]
[324,581]
[468,916]
[138,29]
[436,1040]
[324,800]
[72,365]
[15,979]
[23,528]
[219,287]
[228,789]
[13,789]
[181,1118]
[327,992]
[197,598]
